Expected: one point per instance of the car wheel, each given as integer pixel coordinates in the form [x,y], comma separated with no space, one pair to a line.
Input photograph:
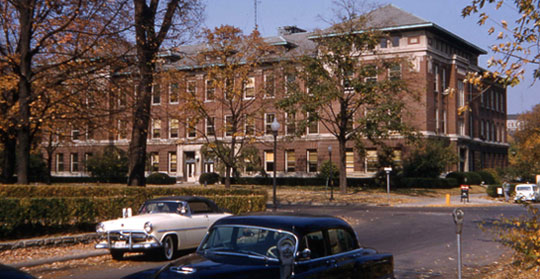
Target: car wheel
[117,255]
[169,248]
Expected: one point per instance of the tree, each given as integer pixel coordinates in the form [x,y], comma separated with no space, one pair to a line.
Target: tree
[155,22]
[519,41]
[346,87]
[527,143]
[429,158]
[229,59]
[40,43]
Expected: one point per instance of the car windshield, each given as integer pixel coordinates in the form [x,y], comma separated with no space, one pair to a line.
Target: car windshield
[523,188]
[160,207]
[252,241]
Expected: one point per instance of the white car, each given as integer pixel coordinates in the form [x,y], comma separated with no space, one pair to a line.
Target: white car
[527,192]
[163,226]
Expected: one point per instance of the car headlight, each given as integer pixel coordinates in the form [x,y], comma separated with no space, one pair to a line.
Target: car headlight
[100,228]
[148,227]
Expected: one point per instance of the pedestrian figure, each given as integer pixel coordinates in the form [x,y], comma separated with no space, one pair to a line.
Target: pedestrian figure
[506,190]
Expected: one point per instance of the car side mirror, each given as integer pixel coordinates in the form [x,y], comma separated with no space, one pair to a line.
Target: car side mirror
[304,254]
[285,248]
[126,212]
[182,210]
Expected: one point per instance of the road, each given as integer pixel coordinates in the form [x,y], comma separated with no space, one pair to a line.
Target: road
[422,240]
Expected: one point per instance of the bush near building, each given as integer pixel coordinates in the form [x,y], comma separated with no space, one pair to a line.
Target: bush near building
[158,178]
[29,210]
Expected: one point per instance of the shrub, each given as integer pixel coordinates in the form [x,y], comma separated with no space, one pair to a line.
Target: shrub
[491,190]
[23,209]
[328,169]
[109,166]
[37,168]
[158,178]
[487,177]
[209,178]
[458,176]
[429,159]
[473,178]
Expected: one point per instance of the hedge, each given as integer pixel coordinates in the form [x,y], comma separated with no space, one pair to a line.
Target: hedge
[300,181]
[491,190]
[424,182]
[24,210]
[159,178]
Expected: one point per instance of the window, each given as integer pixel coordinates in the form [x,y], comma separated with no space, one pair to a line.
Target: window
[396,157]
[315,242]
[191,88]
[340,241]
[312,160]
[154,161]
[444,79]
[228,90]
[173,128]
[394,72]
[371,161]
[249,125]
[173,93]
[313,125]
[461,127]
[122,99]
[75,133]
[413,40]
[444,124]
[268,119]
[349,161]
[191,128]
[199,207]
[60,162]
[269,163]
[249,88]
[210,131]
[395,41]
[370,75]
[347,82]
[156,94]
[228,126]
[172,162]
[384,43]
[290,123]
[269,85]
[290,80]
[122,129]
[290,161]
[437,79]
[210,90]
[461,93]
[74,162]
[437,124]
[156,128]
[87,157]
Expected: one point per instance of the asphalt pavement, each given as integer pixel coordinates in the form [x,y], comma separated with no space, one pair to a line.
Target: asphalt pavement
[474,200]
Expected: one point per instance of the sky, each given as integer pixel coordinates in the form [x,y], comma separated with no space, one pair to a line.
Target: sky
[310,15]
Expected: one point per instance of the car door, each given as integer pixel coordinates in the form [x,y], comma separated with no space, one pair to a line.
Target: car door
[320,263]
[198,224]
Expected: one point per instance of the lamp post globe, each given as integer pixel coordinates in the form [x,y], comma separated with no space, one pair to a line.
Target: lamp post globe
[275,127]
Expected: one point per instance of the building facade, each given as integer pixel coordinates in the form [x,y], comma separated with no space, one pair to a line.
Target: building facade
[447,107]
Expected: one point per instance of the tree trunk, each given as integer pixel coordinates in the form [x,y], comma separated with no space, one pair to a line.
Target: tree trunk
[9,160]
[25,91]
[139,135]
[342,166]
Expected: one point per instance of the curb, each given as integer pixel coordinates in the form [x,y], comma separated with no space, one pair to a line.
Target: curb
[51,241]
[61,259]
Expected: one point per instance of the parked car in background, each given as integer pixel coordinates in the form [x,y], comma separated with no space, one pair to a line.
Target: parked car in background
[278,246]
[527,192]
[162,227]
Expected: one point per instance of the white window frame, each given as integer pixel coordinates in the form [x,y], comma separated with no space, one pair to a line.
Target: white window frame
[173,160]
[60,166]
[225,126]
[248,84]
[171,91]
[156,97]
[206,88]
[309,151]
[273,91]
[266,161]
[287,152]
[267,124]
[74,162]
[156,126]
[174,122]
[207,126]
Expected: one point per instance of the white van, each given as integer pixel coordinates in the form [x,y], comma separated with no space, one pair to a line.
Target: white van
[527,192]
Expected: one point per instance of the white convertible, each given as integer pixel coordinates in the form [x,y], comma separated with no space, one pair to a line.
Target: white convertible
[163,226]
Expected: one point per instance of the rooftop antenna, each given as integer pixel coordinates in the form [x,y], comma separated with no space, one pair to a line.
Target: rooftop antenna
[255,5]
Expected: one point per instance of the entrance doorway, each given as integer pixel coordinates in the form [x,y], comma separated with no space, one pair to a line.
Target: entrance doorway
[190,166]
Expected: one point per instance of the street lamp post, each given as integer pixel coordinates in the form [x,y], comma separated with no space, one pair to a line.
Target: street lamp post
[275,127]
[331,173]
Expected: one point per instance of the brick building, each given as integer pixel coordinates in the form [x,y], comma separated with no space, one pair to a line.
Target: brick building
[440,58]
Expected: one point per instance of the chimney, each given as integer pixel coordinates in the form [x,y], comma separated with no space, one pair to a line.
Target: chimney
[288,30]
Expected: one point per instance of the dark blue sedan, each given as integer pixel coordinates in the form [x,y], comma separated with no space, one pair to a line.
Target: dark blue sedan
[278,246]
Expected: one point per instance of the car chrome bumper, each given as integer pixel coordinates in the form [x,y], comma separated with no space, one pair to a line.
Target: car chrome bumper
[127,240]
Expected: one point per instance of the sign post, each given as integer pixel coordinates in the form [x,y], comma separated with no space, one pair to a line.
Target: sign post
[388,170]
